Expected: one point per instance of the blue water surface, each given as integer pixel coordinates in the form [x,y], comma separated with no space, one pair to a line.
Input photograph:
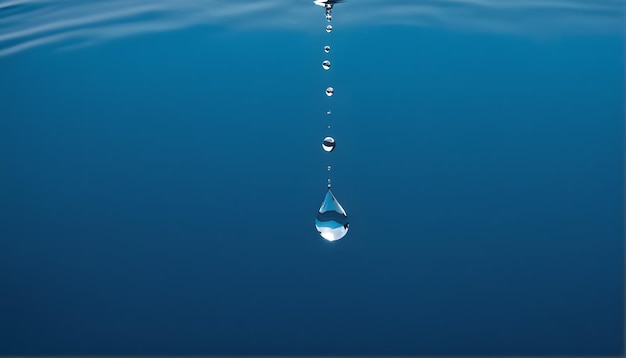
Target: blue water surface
[161,169]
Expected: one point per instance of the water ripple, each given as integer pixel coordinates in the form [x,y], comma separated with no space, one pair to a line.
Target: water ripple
[25,24]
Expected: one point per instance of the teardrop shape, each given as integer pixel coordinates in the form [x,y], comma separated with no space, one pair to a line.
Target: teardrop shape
[331,221]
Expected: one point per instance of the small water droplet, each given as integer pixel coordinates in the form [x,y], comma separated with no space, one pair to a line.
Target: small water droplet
[329,17]
[330,91]
[327,49]
[328,144]
[329,28]
[331,221]
[326,65]
[328,112]
[329,168]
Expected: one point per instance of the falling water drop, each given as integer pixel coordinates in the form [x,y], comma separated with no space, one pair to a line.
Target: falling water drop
[327,49]
[330,91]
[329,17]
[328,144]
[328,112]
[329,28]
[331,221]
[329,168]
[326,65]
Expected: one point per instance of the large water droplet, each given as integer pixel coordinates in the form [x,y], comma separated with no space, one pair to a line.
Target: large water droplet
[326,65]
[330,91]
[328,144]
[327,49]
[331,221]
[329,28]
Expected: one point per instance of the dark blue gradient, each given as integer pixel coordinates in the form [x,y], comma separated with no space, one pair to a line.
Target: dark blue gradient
[158,194]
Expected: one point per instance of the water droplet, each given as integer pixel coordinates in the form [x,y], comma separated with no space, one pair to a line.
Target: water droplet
[326,65]
[328,144]
[328,112]
[330,91]
[329,28]
[331,221]
[329,168]
[329,17]
[327,49]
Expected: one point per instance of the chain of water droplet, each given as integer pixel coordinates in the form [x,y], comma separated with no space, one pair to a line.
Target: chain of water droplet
[331,221]
[329,143]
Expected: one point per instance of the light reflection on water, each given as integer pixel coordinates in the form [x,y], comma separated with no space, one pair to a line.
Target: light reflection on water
[26,24]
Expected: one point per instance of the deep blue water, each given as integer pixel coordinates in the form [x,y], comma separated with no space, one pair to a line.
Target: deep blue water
[159,189]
